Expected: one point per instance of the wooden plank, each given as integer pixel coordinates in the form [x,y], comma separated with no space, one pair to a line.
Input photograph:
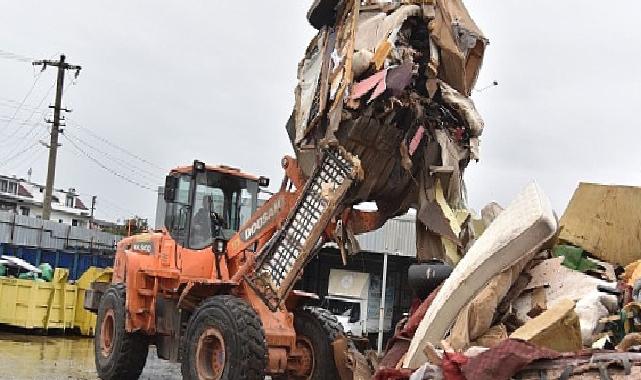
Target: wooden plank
[605,221]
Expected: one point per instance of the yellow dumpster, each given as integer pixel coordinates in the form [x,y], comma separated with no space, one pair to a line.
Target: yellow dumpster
[86,320]
[38,305]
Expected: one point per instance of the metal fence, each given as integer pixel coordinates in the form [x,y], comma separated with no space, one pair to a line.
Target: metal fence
[31,232]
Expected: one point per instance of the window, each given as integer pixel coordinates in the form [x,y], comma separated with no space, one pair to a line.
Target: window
[221,197]
[60,221]
[178,211]
[69,201]
[74,222]
[3,185]
[13,187]
[24,211]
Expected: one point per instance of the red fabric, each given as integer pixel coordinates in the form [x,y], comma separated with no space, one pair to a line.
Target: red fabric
[505,360]
[399,344]
[452,363]
[417,316]
[392,374]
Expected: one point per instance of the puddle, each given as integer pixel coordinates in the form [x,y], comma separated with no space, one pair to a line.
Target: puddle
[61,357]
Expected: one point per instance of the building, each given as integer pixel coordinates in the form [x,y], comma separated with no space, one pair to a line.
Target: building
[26,198]
[395,243]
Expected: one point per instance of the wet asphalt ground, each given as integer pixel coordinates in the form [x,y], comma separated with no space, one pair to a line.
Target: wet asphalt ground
[27,357]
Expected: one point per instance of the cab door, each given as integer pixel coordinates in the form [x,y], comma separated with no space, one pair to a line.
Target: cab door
[192,263]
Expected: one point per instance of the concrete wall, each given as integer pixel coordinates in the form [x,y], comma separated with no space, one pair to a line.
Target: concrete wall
[32,232]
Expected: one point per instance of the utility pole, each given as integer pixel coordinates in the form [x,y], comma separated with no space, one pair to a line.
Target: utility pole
[93,207]
[55,128]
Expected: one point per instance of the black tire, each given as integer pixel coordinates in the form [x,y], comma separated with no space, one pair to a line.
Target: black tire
[233,321]
[320,328]
[126,354]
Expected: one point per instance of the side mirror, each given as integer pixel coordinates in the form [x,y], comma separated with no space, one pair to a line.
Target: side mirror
[171,186]
[263,181]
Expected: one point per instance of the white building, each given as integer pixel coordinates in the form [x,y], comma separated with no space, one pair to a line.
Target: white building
[26,198]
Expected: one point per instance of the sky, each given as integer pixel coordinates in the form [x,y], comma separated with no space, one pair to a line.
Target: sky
[166,82]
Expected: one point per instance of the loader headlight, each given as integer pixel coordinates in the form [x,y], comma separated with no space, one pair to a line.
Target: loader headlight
[220,246]
[199,166]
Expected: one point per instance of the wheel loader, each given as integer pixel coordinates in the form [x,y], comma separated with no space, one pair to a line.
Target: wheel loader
[213,289]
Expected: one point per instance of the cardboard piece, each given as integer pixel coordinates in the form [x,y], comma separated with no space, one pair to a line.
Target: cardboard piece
[556,328]
[517,232]
[604,220]
[476,318]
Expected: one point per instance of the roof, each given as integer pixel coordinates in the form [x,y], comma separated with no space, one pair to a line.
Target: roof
[396,237]
[31,193]
[223,169]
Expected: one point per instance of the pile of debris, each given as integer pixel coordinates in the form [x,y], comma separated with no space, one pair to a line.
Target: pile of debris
[534,298]
[390,82]
[15,267]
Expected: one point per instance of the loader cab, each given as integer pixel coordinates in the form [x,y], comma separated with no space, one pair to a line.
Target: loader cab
[206,203]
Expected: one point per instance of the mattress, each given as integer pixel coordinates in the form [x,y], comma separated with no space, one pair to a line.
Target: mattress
[517,233]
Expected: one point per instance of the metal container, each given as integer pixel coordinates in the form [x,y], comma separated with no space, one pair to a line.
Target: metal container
[423,278]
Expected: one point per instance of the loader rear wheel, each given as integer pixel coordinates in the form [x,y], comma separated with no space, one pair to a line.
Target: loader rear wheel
[224,341]
[118,354]
[316,329]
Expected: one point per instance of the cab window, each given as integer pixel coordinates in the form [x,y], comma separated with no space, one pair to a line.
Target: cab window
[177,212]
[222,199]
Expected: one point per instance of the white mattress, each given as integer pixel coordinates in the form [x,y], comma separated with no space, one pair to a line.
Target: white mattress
[517,232]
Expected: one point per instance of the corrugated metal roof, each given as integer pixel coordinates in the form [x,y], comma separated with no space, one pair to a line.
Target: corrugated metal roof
[397,237]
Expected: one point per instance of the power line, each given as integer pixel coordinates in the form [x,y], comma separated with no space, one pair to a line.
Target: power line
[38,108]
[13,56]
[105,167]
[34,126]
[14,105]
[95,135]
[27,164]
[133,168]
[33,85]
[6,161]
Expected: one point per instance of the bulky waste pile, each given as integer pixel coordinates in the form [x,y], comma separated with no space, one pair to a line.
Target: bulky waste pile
[528,296]
[532,298]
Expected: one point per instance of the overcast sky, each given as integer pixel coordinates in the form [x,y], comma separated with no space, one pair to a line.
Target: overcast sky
[172,81]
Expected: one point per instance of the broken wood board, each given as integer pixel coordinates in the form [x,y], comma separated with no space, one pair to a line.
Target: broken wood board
[556,328]
[604,220]
[517,232]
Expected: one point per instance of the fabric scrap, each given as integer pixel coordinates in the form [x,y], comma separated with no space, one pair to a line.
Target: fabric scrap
[452,366]
[505,360]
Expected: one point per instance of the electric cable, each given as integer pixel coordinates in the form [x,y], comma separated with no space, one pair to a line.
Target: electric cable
[134,169]
[33,85]
[13,56]
[106,168]
[106,141]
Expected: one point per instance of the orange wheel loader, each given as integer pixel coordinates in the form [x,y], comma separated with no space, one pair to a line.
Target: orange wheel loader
[213,289]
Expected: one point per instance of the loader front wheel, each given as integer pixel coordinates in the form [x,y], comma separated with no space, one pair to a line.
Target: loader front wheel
[316,329]
[118,354]
[224,341]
